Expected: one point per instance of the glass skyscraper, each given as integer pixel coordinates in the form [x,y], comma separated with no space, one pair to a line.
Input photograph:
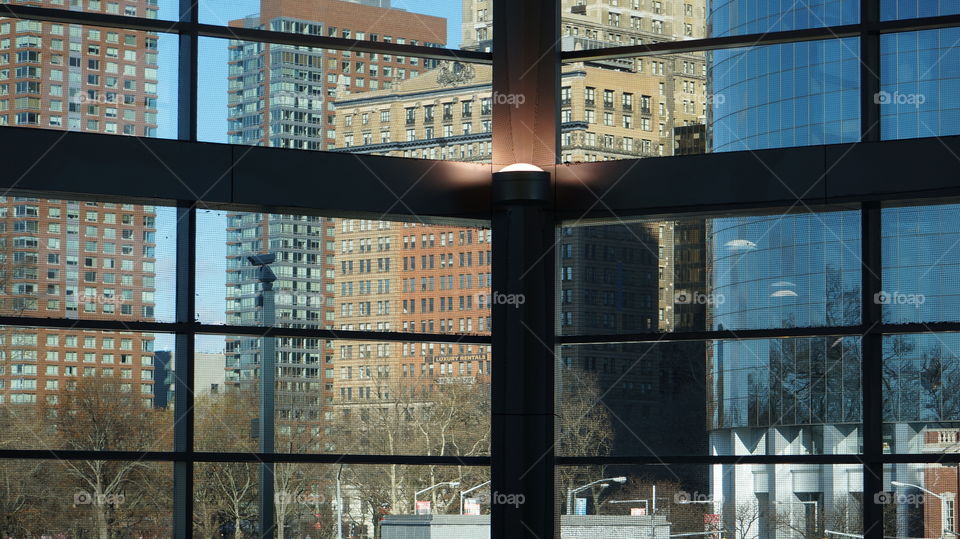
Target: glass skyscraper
[803,395]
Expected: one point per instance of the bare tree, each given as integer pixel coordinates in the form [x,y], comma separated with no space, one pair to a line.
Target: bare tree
[95,415]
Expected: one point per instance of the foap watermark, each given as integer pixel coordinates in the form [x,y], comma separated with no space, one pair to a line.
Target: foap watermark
[514,100]
[108,98]
[888,497]
[685,297]
[898,298]
[716,99]
[501,498]
[499,298]
[83,497]
[303,498]
[682,496]
[884,97]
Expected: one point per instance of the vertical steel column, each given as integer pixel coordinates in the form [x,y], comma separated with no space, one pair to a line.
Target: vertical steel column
[526,84]
[183,371]
[523,356]
[872,371]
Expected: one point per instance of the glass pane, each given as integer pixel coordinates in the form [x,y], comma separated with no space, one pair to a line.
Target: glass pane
[108,383]
[920,500]
[361,397]
[634,107]
[745,397]
[729,500]
[347,101]
[907,9]
[55,498]
[87,260]
[921,411]
[374,500]
[774,96]
[920,81]
[350,274]
[795,94]
[920,257]
[85,78]
[731,272]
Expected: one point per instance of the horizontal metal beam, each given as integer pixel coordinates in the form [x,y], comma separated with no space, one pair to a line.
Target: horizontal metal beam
[245,34]
[759,40]
[248,178]
[454,338]
[202,456]
[473,461]
[772,333]
[686,336]
[221,176]
[785,178]
[668,460]
[254,331]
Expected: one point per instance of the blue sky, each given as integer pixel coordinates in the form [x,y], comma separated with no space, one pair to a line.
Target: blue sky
[212,113]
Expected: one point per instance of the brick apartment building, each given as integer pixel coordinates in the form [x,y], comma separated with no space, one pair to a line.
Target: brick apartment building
[70,259]
[413,278]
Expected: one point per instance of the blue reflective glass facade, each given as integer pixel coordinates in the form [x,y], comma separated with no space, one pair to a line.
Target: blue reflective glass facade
[921,264]
[795,94]
[779,271]
[804,395]
[738,17]
[908,9]
[920,84]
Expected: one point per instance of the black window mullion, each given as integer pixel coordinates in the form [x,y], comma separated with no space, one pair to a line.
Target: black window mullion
[187,73]
[872,370]
[184,373]
[869,70]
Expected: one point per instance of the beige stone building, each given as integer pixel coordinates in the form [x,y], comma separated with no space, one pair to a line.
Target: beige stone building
[611,109]
[606,112]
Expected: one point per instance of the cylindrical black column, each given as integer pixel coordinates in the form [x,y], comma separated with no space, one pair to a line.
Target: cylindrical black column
[523,356]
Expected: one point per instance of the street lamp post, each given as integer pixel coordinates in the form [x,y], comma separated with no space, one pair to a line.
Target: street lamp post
[465,492]
[268,374]
[602,482]
[339,506]
[453,484]
[918,487]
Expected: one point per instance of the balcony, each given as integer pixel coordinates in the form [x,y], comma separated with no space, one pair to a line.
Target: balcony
[590,102]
